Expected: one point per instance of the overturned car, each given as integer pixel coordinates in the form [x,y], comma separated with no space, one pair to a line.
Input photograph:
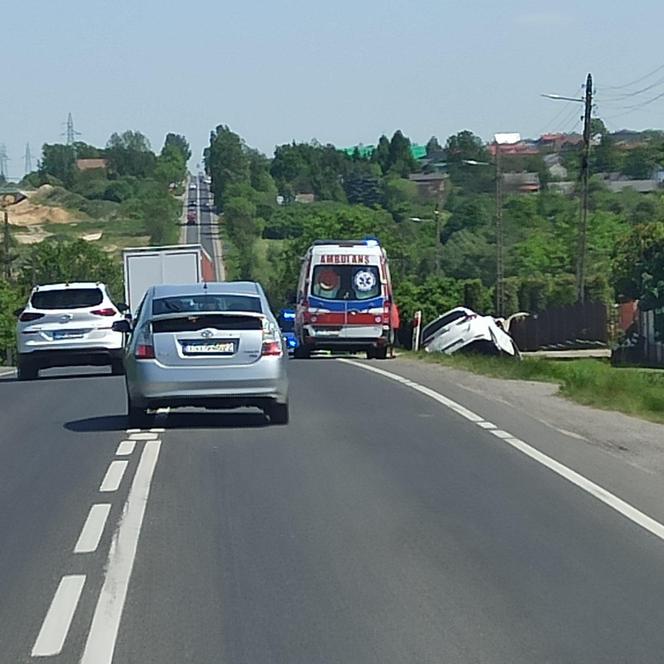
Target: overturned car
[463,329]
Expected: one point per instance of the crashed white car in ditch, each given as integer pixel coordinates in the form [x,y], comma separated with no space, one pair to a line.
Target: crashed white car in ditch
[462,328]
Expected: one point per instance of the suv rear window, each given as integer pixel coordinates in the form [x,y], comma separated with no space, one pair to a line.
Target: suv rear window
[67,298]
[212,302]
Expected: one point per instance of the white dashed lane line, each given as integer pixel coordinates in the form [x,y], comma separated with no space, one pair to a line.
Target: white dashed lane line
[125,448]
[600,493]
[93,528]
[55,627]
[113,476]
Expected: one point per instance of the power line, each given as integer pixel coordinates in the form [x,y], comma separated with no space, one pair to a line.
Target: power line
[638,80]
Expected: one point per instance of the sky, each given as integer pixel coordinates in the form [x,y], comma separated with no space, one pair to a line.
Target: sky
[343,72]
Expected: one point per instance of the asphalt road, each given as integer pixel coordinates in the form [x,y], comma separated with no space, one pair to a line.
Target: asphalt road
[205,231]
[380,526]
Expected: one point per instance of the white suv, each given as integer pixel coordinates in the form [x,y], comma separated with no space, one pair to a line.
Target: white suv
[68,325]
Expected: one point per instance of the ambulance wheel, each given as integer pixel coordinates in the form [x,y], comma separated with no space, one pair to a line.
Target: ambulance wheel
[380,353]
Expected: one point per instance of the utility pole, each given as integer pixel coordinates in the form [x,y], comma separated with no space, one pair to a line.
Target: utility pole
[500,258]
[585,172]
[28,159]
[3,161]
[5,243]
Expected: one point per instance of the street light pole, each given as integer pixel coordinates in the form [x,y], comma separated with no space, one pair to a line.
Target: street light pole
[587,100]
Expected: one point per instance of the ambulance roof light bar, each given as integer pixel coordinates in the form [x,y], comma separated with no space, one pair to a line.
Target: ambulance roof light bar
[367,242]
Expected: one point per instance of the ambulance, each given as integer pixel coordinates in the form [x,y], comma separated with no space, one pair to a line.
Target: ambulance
[344,299]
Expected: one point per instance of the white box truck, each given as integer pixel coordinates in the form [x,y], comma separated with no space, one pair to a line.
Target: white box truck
[148,266]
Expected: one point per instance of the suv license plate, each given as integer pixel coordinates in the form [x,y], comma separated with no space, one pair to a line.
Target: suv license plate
[208,347]
[69,334]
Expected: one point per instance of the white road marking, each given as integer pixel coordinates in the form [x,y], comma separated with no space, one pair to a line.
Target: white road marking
[88,540]
[486,425]
[133,430]
[614,502]
[162,430]
[7,373]
[499,433]
[113,476]
[108,612]
[54,629]
[143,436]
[125,448]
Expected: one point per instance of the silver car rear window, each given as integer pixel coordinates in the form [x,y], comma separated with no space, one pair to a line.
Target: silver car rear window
[208,303]
[67,298]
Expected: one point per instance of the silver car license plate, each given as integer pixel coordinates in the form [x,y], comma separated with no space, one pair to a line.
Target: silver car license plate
[208,347]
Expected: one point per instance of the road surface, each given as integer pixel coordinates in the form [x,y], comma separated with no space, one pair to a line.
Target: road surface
[384,525]
[206,230]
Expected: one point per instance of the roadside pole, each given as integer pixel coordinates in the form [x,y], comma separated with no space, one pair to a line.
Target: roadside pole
[417,324]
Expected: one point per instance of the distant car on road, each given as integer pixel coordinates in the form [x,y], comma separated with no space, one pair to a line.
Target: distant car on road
[191,217]
[192,186]
[210,345]
[68,325]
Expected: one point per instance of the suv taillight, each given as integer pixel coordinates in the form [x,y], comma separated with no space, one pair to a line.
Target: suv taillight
[109,311]
[27,316]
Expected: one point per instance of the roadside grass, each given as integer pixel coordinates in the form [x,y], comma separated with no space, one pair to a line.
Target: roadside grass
[633,391]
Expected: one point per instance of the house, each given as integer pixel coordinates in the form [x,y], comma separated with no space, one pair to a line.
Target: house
[429,185]
[640,186]
[566,187]
[91,164]
[558,142]
[554,166]
[520,149]
[305,198]
[521,183]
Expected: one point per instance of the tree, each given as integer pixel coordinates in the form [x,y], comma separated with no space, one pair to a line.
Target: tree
[638,266]
[179,143]
[640,162]
[11,298]
[433,146]
[58,161]
[381,154]
[129,153]
[459,150]
[52,262]
[401,160]
[227,162]
[170,167]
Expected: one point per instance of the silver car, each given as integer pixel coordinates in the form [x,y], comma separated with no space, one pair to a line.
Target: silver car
[214,345]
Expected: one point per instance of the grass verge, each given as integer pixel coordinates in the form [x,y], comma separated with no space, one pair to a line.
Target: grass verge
[596,383]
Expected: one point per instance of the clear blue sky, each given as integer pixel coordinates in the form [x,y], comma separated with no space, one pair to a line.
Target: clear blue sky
[343,71]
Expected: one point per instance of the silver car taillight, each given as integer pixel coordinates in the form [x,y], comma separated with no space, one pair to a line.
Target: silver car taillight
[271,346]
[145,347]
